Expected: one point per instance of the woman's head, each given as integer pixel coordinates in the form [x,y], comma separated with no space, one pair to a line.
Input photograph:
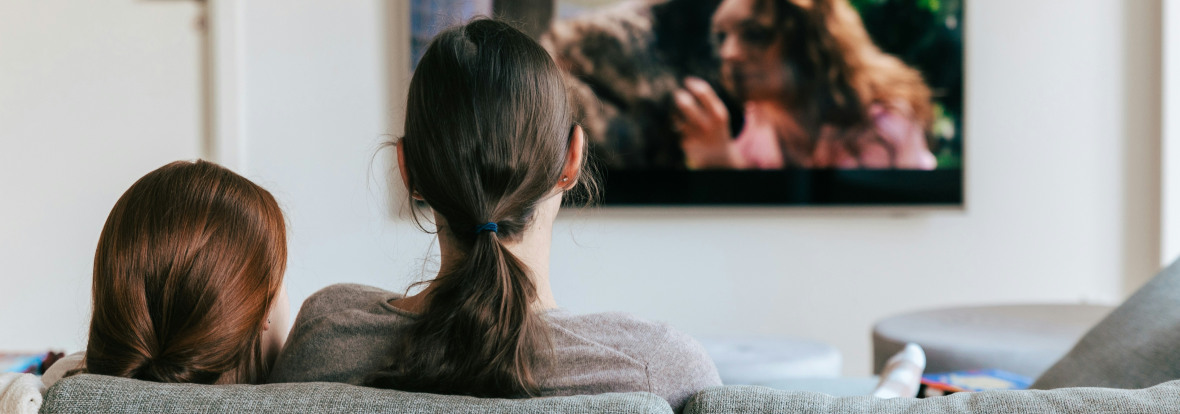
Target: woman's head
[814,56]
[188,267]
[489,129]
[489,138]
[749,43]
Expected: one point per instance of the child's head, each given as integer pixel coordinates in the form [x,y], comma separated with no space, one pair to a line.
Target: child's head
[188,268]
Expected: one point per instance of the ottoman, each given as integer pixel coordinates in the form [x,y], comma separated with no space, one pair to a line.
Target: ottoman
[761,360]
[1022,339]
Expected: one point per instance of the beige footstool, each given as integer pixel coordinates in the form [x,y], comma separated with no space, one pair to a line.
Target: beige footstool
[763,360]
[1022,339]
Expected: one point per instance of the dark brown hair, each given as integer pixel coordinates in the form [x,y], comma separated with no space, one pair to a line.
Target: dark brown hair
[488,129]
[837,72]
[188,264]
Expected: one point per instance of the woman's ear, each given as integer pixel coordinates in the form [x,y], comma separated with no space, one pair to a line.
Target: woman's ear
[573,159]
[401,166]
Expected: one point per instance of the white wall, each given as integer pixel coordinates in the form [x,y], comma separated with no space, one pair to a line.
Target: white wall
[93,94]
[1062,176]
[315,85]
[1062,185]
[1170,134]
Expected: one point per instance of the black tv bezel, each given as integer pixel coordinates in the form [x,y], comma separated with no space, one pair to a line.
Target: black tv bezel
[790,187]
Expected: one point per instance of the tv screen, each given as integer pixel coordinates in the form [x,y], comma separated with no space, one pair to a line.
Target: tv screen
[776,102]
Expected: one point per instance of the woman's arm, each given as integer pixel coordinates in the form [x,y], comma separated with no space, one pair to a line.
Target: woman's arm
[907,137]
[63,366]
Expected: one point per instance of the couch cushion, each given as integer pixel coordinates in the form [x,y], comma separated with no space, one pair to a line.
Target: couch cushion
[1136,346]
[90,394]
[741,399]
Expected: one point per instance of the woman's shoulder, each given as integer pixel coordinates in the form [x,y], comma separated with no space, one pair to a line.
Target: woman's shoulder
[59,369]
[605,321]
[904,131]
[676,365]
[628,332]
[344,296]
[342,333]
[350,289]
[897,139]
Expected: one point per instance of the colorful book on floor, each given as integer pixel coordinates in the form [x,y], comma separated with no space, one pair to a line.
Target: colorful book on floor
[23,363]
[973,381]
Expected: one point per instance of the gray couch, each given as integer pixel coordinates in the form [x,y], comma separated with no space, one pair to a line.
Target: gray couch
[90,394]
[1136,347]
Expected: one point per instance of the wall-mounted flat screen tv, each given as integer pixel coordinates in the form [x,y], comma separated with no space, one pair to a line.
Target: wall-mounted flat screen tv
[754,102]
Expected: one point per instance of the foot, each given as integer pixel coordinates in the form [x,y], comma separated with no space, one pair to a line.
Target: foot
[902,373]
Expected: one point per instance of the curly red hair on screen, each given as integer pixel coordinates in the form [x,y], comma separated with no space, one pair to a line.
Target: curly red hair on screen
[836,74]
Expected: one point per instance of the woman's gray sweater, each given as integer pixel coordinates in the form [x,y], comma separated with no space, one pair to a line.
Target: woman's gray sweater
[345,332]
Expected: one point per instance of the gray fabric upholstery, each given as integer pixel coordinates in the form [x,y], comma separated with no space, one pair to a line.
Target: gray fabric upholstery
[742,399]
[1024,339]
[91,394]
[345,332]
[1136,346]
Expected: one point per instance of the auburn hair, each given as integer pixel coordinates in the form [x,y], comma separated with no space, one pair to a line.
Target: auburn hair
[488,128]
[187,266]
[838,73]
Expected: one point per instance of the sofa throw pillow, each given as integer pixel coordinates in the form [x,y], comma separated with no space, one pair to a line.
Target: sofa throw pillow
[1136,346]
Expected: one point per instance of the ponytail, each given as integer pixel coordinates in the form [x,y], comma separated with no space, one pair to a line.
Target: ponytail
[477,334]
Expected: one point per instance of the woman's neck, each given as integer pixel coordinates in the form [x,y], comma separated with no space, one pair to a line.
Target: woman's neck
[531,247]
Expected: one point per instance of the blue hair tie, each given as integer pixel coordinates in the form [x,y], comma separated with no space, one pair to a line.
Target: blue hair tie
[490,226]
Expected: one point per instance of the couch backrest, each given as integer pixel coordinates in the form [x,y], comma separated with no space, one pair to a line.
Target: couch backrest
[91,394]
[749,399]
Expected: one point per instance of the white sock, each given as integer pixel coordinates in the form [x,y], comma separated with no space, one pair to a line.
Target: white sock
[902,373]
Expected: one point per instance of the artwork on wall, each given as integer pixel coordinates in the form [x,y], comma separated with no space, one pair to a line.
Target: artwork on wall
[778,102]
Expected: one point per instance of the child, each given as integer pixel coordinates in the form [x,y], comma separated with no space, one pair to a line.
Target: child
[188,281]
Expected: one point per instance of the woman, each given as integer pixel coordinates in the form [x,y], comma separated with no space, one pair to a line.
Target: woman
[491,146]
[188,281]
[817,93]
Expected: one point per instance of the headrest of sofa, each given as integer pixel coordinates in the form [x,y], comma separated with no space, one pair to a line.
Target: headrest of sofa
[91,394]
